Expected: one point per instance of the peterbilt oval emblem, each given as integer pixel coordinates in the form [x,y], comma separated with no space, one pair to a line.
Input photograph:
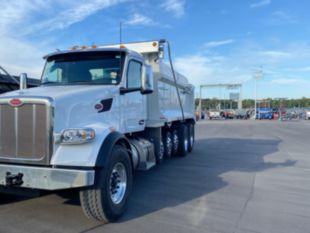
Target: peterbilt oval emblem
[15,102]
[104,105]
[98,107]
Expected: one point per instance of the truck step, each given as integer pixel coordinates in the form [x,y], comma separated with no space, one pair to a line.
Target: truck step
[144,166]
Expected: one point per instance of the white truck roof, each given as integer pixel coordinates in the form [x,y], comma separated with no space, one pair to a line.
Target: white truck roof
[140,47]
[143,48]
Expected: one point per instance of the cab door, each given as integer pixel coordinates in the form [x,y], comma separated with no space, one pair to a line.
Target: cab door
[133,103]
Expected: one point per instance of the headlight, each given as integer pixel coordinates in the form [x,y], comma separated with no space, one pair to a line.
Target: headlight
[77,136]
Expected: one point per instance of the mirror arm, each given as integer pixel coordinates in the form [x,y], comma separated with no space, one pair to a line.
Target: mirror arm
[124,90]
[146,92]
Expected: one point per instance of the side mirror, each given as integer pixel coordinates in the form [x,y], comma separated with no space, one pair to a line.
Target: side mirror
[147,82]
[23,81]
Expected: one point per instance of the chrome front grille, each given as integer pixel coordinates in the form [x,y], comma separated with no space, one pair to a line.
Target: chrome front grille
[26,131]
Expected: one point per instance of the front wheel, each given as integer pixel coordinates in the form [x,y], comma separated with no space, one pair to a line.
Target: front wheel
[107,200]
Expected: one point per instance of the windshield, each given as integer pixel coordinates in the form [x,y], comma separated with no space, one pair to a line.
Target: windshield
[84,68]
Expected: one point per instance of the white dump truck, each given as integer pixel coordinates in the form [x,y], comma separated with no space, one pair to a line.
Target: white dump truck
[100,113]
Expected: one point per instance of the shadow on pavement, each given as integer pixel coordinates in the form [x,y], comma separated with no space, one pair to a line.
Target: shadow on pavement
[180,180]
[7,199]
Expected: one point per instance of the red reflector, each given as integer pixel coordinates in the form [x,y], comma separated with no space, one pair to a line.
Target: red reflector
[15,102]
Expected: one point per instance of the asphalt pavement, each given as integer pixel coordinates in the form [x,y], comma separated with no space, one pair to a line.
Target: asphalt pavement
[242,177]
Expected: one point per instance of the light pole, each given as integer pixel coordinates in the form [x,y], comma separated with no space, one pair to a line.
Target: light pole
[257,76]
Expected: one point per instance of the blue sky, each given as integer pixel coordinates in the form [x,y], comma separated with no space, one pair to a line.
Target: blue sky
[223,41]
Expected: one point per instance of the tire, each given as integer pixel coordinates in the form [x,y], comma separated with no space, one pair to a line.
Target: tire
[159,156]
[191,137]
[157,139]
[106,201]
[167,140]
[183,140]
[175,141]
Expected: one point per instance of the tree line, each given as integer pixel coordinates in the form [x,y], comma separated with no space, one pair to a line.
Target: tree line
[249,103]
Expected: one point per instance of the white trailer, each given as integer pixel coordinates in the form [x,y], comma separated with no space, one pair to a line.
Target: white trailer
[100,113]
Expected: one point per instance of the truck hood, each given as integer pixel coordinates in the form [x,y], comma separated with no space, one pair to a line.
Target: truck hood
[74,104]
[58,92]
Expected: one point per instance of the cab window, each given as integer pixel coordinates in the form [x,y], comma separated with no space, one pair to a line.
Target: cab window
[134,74]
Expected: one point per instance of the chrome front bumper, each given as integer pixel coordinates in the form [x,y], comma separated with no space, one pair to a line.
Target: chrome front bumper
[46,178]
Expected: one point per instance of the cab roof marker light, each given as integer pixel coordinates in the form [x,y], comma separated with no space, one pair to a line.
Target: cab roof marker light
[74,48]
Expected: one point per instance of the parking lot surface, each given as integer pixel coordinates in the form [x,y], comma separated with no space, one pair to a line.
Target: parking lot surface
[242,177]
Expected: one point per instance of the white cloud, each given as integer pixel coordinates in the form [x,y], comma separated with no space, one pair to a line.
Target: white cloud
[21,18]
[290,81]
[261,3]
[18,57]
[74,14]
[174,6]
[195,67]
[213,44]
[138,19]
[274,56]
[280,18]
[202,69]
[15,13]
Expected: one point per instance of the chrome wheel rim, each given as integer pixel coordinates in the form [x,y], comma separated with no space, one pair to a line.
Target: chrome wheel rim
[118,183]
[169,144]
[161,150]
[175,142]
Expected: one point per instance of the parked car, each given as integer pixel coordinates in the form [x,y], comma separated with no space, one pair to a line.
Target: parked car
[275,114]
[228,114]
[214,114]
[241,114]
